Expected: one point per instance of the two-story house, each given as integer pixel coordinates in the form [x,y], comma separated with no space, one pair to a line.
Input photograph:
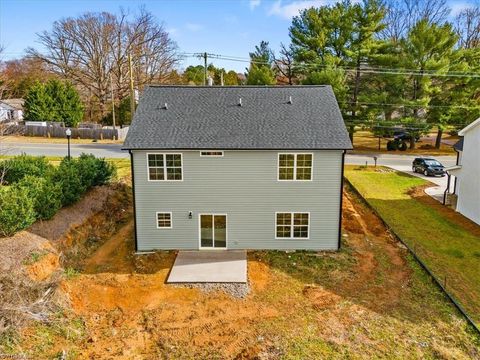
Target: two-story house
[253,167]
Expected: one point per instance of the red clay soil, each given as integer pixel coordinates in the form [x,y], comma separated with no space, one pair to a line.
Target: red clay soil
[367,232]
[118,293]
[130,313]
[44,268]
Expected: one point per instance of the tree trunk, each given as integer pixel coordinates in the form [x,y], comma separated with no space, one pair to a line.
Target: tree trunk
[412,142]
[356,89]
[351,130]
[438,140]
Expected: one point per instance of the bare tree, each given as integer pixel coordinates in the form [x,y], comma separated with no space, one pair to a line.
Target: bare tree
[284,66]
[402,15]
[467,26]
[93,48]
[3,85]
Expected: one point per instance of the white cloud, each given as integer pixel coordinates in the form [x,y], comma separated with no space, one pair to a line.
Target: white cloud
[254,4]
[289,10]
[193,27]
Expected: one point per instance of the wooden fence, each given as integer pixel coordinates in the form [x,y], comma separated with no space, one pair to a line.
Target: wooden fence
[59,132]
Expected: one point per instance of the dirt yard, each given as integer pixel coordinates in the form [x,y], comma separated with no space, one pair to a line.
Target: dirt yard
[368,300]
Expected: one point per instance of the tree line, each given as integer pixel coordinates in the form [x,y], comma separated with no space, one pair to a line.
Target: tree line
[388,61]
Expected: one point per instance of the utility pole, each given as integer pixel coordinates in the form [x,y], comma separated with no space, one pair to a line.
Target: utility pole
[205,69]
[132,91]
[113,106]
[221,78]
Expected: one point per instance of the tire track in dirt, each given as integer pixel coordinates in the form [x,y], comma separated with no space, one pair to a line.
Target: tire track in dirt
[381,271]
[379,254]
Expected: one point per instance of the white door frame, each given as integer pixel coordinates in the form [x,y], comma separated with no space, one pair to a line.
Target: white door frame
[213,232]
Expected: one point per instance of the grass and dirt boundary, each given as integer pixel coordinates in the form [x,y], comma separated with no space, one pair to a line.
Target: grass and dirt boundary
[440,282]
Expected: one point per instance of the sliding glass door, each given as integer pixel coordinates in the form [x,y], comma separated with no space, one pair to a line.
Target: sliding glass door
[213,231]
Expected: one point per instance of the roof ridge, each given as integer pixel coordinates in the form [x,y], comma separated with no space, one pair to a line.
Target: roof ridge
[238,86]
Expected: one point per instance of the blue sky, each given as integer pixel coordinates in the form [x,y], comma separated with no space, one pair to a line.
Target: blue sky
[227,27]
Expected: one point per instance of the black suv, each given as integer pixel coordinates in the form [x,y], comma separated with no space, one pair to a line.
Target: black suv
[429,167]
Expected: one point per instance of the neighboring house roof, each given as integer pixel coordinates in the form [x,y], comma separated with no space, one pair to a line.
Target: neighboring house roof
[16,104]
[209,117]
[458,145]
[469,127]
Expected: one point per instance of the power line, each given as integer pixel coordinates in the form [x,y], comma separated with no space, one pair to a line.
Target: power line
[410,105]
[369,70]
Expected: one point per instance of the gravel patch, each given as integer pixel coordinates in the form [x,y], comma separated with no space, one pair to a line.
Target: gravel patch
[236,290]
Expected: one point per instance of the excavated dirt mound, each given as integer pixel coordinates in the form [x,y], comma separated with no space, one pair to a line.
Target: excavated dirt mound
[44,268]
[127,311]
[74,215]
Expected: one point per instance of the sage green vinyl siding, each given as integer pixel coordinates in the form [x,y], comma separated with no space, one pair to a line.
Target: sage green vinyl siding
[243,185]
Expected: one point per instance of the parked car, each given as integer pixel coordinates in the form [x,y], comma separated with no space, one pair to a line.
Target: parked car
[428,166]
[403,135]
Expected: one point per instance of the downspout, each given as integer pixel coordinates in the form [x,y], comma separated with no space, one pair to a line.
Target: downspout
[341,203]
[455,182]
[134,206]
[447,189]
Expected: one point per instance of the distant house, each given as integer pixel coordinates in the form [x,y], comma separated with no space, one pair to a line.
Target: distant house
[240,167]
[11,110]
[467,172]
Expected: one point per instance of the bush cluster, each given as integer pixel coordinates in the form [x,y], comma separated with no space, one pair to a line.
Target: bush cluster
[37,190]
[17,168]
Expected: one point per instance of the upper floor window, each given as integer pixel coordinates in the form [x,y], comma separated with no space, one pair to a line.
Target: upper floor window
[211,153]
[295,167]
[292,225]
[164,167]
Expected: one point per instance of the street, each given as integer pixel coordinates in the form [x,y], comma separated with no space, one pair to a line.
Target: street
[99,150]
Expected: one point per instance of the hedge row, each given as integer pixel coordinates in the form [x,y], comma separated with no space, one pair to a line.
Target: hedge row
[37,190]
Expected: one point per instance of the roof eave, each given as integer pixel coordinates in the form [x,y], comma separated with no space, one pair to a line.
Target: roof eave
[469,127]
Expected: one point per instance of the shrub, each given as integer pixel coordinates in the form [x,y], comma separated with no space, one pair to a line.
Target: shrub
[94,171]
[47,196]
[17,168]
[67,177]
[16,210]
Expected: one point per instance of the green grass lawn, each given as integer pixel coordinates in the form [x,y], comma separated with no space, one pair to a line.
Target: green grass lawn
[447,248]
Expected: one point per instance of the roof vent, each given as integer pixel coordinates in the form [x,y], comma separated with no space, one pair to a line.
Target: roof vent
[240,102]
[165,106]
[290,100]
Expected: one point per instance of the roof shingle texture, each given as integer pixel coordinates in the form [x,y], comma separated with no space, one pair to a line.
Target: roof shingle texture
[210,118]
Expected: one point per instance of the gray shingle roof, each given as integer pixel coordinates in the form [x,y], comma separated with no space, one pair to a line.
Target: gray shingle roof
[200,117]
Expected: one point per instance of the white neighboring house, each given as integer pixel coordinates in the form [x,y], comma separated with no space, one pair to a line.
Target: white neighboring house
[11,110]
[467,172]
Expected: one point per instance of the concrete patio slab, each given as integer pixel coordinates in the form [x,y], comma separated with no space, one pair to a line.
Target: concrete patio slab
[229,266]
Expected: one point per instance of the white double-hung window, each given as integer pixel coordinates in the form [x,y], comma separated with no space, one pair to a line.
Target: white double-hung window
[292,225]
[164,167]
[295,167]
[164,220]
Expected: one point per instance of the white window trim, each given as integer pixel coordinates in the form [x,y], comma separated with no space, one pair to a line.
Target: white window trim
[200,247]
[294,166]
[205,151]
[171,220]
[164,166]
[292,226]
